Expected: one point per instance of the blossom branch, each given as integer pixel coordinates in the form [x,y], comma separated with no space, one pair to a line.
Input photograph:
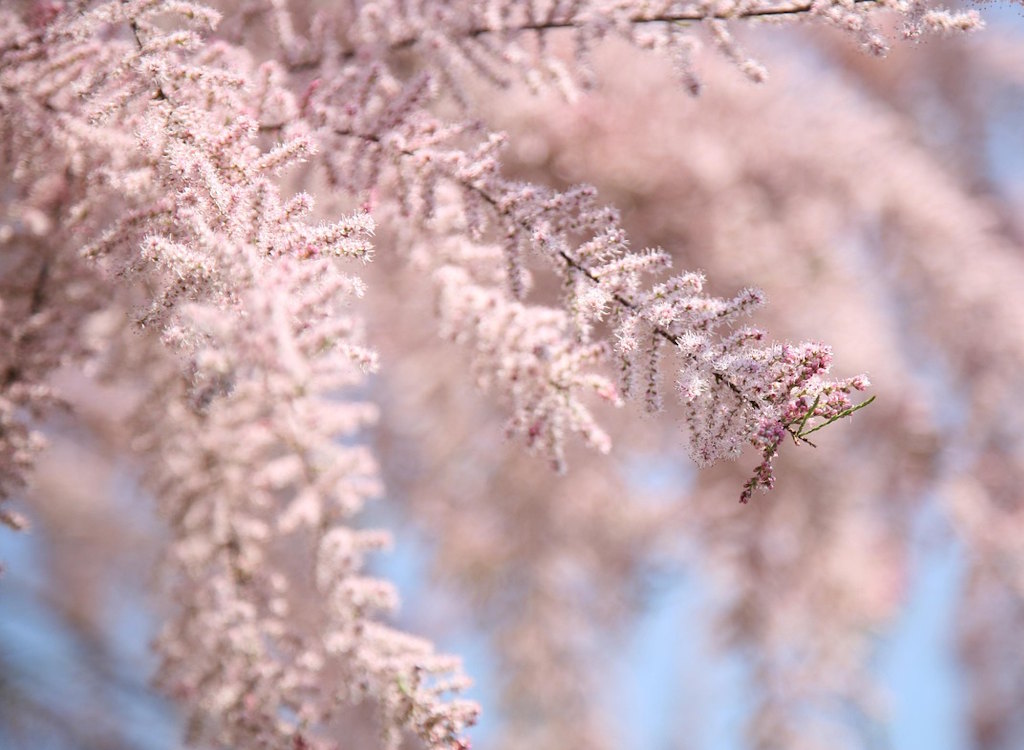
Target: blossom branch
[771,388]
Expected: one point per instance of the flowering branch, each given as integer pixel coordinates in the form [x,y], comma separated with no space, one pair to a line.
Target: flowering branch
[733,391]
[243,436]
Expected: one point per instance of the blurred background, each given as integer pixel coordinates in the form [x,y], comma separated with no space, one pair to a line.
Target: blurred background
[874,599]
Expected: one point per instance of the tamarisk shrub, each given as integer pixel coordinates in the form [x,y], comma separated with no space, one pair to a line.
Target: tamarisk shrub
[193,198]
